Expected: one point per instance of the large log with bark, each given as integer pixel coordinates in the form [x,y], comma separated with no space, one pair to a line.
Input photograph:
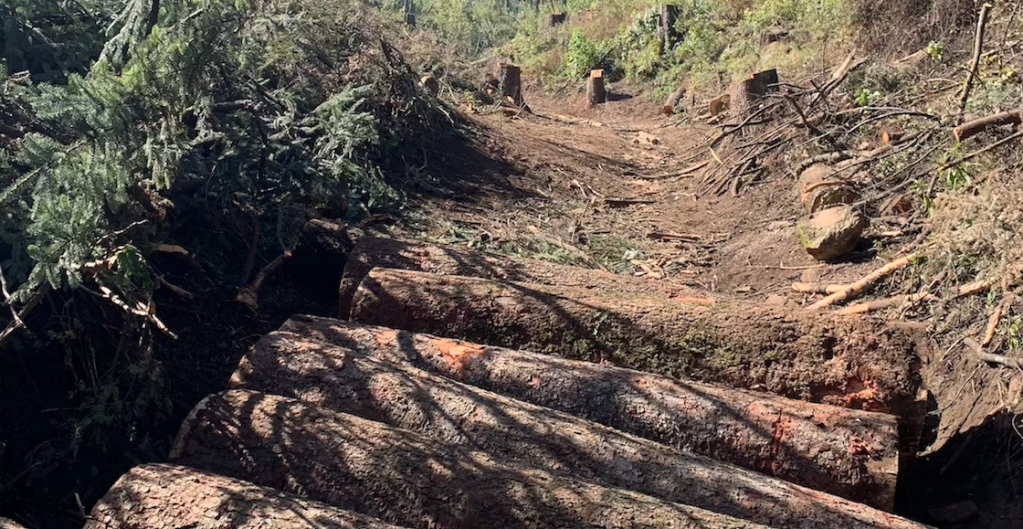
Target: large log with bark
[849,453]
[404,477]
[395,393]
[849,362]
[371,252]
[175,497]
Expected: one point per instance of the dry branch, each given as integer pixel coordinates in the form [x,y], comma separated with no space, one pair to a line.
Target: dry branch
[858,287]
[992,324]
[990,357]
[968,157]
[972,128]
[881,304]
[817,288]
[978,46]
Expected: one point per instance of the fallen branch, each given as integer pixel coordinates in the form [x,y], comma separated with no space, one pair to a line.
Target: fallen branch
[972,128]
[990,357]
[972,155]
[974,288]
[249,296]
[19,318]
[685,172]
[978,45]
[817,288]
[881,304]
[858,287]
[163,283]
[992,324]
[671,236]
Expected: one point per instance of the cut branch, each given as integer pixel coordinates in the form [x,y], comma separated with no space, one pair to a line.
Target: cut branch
[978,45]
[972,128]
[990,357]
[857,288]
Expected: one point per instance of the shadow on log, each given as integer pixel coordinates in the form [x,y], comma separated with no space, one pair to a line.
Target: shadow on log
[859,363]
[174,497]
[403,477]
[849,453]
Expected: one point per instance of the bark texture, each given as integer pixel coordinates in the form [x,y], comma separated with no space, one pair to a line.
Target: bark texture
[174,497]
[6,523]
[849,362]
[371,252]
[403,477]
[395,393]
[849,453]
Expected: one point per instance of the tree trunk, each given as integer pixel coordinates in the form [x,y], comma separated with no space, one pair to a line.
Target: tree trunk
[173,497]
[849,453]
[510,84]
[403,477]
[351,381]
[381,252]
[666,28]
[858,363]
[595,92]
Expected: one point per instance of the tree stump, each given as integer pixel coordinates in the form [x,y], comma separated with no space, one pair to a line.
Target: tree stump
[554,20]
[595,92]
[403,477]
[746,94]
[510,84]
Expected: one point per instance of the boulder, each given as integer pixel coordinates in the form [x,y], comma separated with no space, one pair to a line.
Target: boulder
[833,232]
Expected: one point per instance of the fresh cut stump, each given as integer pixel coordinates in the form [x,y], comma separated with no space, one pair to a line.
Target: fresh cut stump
[845,452]
[349,381]
[404,477]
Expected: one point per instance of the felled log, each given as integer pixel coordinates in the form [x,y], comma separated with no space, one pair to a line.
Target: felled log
[372,252]
[972,128]
[673,100]
[175,497]
[849,453]
[349,381]
[403,477]
[595,92]
[743,345]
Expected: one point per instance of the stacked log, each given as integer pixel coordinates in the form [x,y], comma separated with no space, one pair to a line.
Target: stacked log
[174,497]
[820,358]
[403,477]
[371,251]
[352,382]
[849,453]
